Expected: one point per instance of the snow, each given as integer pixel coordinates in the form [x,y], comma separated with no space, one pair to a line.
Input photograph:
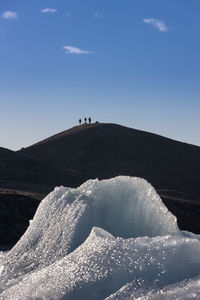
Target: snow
[109,239]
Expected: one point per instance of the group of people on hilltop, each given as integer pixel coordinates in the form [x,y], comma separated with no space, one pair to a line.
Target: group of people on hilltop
[85,119]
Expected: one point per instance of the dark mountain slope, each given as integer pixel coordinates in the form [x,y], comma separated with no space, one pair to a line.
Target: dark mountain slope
[106,150]
[19,171]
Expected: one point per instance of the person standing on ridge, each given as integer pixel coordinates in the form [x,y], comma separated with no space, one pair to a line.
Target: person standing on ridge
[80,121]
[85,120]
[89,119]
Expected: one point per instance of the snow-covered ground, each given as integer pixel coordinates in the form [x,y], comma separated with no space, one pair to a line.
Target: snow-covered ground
[109,239]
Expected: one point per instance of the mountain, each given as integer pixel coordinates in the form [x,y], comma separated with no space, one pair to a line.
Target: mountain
[21,171]
[103,151]
[107,150]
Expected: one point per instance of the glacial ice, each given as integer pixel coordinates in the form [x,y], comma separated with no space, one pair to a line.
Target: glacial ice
[109,239]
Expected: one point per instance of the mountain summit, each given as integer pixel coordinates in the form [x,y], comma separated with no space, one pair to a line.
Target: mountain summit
[106,150]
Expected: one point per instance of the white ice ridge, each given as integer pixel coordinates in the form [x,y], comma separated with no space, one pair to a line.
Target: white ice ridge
[58,252]
[114,268]
[124,206]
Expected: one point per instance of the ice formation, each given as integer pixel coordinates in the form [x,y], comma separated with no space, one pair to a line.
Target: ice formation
[109,239]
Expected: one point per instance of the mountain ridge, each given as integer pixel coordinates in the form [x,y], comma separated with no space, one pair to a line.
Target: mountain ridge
[106,150]
[86,126]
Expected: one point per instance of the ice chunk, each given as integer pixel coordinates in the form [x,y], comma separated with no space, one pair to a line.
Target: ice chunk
[102,265]
[111,238]
[129,207]
[123,206]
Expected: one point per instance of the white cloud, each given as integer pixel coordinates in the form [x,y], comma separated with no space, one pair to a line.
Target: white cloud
[98,15]
[160,25]
[74,50]
[48,10]
[9,15]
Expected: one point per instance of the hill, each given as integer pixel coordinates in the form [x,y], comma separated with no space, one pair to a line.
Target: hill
[103,151]
[21,171]
[107,150]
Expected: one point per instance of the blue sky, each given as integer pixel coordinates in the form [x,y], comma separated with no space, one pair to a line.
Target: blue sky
[131,62]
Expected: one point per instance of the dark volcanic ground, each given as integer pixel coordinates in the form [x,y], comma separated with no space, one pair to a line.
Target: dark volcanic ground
[97,151]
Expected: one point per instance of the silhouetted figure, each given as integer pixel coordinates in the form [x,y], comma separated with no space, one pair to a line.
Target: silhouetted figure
[85,120]
[80,121]
[89,119]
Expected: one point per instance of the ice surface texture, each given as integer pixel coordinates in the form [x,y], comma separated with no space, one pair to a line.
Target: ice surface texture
[111,239]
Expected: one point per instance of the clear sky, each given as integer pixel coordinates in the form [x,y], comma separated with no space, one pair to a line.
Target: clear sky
[131,62]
